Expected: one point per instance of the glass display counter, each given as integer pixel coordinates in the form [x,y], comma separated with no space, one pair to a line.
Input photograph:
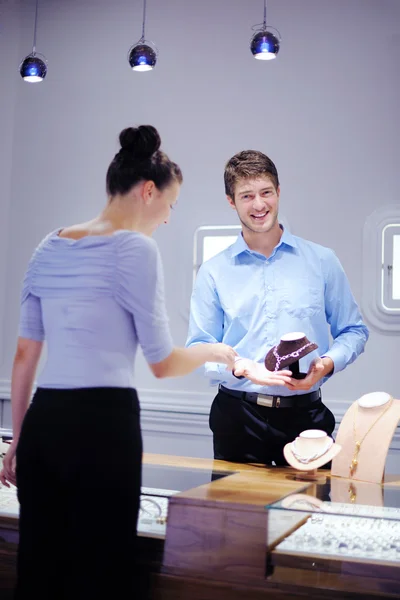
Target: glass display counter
[248,529]
[159,483]
[341,526]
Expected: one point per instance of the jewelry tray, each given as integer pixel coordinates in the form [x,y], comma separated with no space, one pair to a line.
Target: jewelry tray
[338,523]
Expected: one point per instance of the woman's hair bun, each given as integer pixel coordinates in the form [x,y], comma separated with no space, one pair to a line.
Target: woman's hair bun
[142,141]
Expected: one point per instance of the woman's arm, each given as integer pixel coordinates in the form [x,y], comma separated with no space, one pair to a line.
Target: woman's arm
[23,375]
[140,290]
[182,361]
[25,364]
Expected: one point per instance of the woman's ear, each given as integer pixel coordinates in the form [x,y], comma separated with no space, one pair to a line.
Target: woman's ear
[148,191]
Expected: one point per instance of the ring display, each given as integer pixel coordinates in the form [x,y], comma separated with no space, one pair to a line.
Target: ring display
[338,535]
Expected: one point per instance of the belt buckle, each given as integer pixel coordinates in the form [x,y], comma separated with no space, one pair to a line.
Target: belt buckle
[264,400]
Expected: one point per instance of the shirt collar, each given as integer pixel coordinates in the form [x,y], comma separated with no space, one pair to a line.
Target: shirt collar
[287,238]
[240,245]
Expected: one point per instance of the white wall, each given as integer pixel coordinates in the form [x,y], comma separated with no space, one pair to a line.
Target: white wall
[326,111]
[9,44]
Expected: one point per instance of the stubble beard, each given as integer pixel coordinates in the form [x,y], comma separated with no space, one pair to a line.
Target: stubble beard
[249,228]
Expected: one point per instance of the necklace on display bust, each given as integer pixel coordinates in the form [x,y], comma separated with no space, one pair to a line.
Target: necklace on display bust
[291,348]
[357,441]
[294,354]
[310,450]
[307,459]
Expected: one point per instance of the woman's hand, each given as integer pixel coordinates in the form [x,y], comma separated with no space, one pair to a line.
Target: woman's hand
[7,474]
[222,353]
[257,373]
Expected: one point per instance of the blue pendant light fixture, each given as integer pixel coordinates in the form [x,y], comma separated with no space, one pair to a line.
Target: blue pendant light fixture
[34,67]
[265,43]
[143,55]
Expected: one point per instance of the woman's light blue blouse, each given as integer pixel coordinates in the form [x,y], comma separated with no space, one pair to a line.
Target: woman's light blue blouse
[94,300]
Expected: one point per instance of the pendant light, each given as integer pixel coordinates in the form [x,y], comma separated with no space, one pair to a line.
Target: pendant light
[34,67]
[265,43]
[143,55]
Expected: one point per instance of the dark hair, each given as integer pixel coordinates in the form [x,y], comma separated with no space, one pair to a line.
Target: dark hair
[140,158]
[248,164]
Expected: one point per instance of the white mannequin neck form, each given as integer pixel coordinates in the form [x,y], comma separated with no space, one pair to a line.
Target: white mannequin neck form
[293,336]
[374,399]
[311,442]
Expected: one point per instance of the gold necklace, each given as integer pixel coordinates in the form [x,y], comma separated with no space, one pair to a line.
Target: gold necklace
[352,493]
[354,462]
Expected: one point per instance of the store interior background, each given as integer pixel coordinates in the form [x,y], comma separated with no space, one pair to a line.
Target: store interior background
[326,111]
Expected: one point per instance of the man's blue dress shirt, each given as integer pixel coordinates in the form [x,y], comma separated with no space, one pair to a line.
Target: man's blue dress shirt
[249,301]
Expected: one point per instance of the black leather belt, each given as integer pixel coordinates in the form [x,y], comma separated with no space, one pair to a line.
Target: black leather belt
[274,401]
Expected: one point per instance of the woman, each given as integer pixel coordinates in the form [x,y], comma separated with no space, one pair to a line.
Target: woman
[94,292]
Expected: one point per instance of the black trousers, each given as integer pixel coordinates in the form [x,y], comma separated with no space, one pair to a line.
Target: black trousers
[79,477]
[246,432]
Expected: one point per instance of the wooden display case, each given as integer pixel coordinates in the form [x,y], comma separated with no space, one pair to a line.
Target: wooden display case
[224,535]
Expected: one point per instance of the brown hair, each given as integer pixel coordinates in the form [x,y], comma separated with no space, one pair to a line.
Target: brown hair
[248,164]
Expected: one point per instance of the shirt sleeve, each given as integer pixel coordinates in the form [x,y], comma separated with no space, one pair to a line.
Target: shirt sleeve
[31,322]
[206,322]
[30,319]
[348,330]
[140,290]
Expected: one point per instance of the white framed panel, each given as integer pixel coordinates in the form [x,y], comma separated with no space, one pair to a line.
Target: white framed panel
[390,285]
[381,270]
[209,240]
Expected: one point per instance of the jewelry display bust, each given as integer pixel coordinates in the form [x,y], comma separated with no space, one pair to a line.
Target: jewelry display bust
[291,348]
[312,449]
[365,434]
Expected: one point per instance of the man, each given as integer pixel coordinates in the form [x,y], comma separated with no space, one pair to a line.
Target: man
[267,284]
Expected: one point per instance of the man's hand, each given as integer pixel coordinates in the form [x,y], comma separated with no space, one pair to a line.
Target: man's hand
[257,373]
[319,368]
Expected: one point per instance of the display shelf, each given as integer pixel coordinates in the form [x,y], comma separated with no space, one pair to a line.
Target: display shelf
[160,482]
[342,521]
